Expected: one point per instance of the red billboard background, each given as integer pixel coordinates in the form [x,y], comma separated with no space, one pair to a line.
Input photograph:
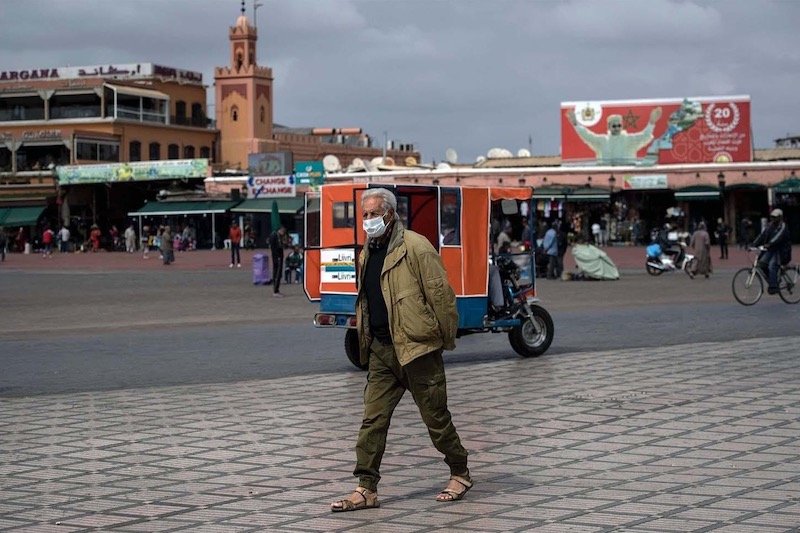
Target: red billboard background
[688,130]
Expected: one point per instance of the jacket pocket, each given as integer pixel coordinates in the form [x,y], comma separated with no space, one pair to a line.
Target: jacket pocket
[415,317]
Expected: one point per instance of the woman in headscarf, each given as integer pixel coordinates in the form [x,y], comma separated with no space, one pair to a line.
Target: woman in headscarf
[701,245]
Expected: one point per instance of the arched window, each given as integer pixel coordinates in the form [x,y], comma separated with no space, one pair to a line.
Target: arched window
[173,151]
[180,112]
[239,61]
[155,151]
[205,152]
[135,151]
[188,152]
[234,113]
[263,113]
[198,117]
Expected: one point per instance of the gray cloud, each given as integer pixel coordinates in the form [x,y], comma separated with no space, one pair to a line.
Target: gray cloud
[470,74]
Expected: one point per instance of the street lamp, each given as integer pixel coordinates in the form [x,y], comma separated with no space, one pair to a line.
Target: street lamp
[721,182]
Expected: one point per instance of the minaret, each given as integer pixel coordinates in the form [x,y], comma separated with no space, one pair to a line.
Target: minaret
[243,99]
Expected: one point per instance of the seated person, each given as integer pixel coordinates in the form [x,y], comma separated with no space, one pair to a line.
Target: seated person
[294,263]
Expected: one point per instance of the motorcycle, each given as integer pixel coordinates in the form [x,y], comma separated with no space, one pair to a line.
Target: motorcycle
[657,261]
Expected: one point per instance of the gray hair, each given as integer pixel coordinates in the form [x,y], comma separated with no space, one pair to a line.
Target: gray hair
[388,200]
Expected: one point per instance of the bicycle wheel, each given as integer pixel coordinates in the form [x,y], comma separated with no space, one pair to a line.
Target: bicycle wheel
[748,286]
[789,285]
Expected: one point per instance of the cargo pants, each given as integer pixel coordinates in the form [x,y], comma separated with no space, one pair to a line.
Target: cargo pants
[387,381]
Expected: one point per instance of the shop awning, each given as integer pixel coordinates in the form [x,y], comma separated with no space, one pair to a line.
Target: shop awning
[588,194]
[137,91]
[20,216]
[549,193]
[697,193]
[184,208]
[789,185]
[264,205]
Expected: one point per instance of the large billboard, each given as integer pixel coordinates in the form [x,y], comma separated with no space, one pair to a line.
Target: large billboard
[663,131]
[134,171]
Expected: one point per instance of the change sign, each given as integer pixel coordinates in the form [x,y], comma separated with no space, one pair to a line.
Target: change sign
[309,172]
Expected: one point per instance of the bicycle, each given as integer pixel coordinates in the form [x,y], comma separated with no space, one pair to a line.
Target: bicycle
[748,283]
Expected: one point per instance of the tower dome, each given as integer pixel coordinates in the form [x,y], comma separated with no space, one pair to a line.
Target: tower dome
[242,22]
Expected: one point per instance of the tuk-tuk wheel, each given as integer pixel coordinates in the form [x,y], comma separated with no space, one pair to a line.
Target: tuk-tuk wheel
[534,335]
[351,348]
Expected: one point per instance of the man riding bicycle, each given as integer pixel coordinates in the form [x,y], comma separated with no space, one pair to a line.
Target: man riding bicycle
[778,248]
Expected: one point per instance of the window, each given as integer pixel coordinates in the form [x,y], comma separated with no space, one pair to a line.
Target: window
[198,115]
[180,111]
[173,151]
[344,215]
[450,216]
[234,113]
[263,114]
[155,151]
[91,150]
[135,151]
[188,152]
[205,152]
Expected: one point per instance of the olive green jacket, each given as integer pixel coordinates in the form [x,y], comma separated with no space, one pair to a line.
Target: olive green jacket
[421,304]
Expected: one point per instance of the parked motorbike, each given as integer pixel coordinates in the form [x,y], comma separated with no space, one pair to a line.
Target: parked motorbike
[657,261]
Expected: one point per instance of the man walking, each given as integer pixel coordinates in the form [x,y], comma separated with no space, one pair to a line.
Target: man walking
[235,236]
[406,315]
[278,241]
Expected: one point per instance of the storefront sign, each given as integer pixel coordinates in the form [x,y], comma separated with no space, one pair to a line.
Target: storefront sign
[111,70]
[271,187]
[664,131]
[136,171]
[337,266]
[654,181]
[309,172]
[37,135]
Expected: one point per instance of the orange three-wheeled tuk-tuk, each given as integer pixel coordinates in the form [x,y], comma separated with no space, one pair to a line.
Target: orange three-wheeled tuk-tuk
[458,221]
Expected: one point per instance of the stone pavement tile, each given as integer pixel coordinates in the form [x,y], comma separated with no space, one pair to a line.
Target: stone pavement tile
[661,436]
[673,524]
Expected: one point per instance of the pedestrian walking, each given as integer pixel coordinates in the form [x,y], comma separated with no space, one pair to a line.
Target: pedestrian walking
[402,341]
[701,244]
[235,236]
[63,239]
[130,239]
[278,242]
[722,238]
[167,250]
[3,244]
[48,236]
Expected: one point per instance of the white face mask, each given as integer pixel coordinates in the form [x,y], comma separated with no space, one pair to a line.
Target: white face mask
[374,227]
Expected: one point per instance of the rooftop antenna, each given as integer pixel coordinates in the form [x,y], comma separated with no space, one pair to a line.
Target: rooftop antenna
[256,5]
[242,7]
[451,156]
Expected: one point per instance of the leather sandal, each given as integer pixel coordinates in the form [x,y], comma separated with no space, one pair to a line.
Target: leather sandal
[452,495]
[368,500]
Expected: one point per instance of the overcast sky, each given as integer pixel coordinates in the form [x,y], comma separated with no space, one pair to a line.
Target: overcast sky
[466,74]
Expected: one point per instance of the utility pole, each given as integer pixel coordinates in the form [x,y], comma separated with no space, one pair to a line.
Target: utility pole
[385,142]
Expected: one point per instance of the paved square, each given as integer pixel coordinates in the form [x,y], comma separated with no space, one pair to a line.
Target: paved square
[700,437]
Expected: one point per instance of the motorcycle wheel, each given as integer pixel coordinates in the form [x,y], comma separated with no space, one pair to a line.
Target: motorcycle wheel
[351,348]
[653,271]
[534,336]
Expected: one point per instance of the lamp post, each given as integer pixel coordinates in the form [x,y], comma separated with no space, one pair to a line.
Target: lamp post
[721,182]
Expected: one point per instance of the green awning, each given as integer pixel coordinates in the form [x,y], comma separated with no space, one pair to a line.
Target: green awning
[697,193]
[549,193]
[20,216]
[588,194]
[789,185]
[184,208]
[264,205]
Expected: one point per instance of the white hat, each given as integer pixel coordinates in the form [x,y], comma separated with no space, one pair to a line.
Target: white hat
[776,213]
